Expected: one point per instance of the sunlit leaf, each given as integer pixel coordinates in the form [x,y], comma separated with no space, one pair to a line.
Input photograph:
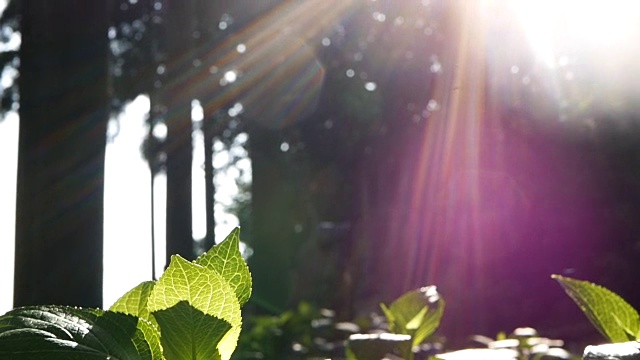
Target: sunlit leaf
[226,259]
[614,318]
[417,320]
[188,333]
[134,302]
[205,290]
[416,313]
[193,310]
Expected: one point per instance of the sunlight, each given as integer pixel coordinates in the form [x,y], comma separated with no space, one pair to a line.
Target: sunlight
[9,128]
[445,192]
[267,61]
[127,195]
[226,179]
[270,59]
[198,201]
[159,225]
[454,200]
[608,27]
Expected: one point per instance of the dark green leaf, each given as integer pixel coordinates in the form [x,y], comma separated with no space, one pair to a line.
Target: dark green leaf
[190,334]
[58,332]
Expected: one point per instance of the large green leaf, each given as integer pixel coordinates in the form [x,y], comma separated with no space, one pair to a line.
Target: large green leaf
[58,332]
[226,260]
[188,333]
[609,313]
[416,313]
[205,290]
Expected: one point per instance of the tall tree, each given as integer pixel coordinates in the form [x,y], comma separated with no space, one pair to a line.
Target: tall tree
[64,108]
[179,150]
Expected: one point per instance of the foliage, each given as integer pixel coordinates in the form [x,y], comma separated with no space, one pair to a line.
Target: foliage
[9,60]
[293,334]
[412,318]
[522,344]
[614,318]
[410,314]
[191,312]
[308,332]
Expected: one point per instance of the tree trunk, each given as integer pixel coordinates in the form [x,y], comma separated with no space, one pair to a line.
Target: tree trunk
[179,20]
[209,187]
[273,238]
[63,116]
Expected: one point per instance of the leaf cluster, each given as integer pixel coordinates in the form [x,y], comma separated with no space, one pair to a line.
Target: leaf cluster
[522,344]
[412,318]
[191,312]
[308,332]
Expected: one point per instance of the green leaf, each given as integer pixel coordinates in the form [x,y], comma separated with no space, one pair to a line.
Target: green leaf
[416,313]
[151,336]
[614,318]
[417,320]
[226,260]
[58,332]
[134,302]
[188,333]
[349,354]
[205,290]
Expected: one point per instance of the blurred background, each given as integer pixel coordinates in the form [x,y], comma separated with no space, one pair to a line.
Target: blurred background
[365,147]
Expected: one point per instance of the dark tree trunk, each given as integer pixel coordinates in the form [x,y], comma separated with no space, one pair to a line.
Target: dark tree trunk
[206,15]
[179,20]
[63,116]
[273,238]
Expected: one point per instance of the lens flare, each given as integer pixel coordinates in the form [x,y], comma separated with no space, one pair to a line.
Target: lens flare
[267,66]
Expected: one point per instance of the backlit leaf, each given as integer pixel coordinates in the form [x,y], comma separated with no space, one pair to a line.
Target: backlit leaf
[614,318]
[416,313]
[226,260]
[205,290]
[134,302]
[188,333]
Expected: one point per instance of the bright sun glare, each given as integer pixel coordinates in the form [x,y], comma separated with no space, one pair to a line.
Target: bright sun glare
[596,26]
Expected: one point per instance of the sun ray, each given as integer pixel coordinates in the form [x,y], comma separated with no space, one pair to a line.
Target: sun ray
[442,235]
[275,51]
